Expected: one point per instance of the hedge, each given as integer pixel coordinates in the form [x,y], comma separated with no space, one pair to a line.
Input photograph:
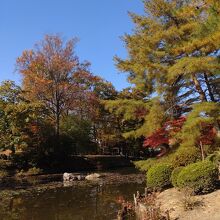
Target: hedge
[174,175]
[185,156]
[200,177]
[158,176]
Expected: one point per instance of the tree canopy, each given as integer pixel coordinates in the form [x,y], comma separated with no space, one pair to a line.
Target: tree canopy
[173,63]
[173,67]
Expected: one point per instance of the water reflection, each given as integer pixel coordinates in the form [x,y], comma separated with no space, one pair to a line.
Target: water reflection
[77,202]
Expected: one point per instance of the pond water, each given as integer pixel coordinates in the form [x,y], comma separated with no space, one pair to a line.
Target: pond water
[83,200]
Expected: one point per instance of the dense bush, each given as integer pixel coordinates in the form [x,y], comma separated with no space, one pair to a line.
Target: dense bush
[200,177]
[145,165]
[181,157]
[158,176]
[214,157]
[174,175]
[185,156]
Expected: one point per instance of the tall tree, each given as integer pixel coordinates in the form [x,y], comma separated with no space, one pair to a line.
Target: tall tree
[173,53]
[20,120]
[48,75]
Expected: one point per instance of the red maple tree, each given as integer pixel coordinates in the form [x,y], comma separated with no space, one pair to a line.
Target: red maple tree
[208,134]
[162,136]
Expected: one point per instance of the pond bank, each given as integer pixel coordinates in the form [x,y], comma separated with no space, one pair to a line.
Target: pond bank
[76,163]
[173,204]
[92,163]
[126,174]
[86,163]
[205,207]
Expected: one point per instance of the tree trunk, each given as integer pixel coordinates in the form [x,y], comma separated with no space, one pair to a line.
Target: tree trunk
[209,88]
[57,115]
[57,126]
[199,89]
[202,150]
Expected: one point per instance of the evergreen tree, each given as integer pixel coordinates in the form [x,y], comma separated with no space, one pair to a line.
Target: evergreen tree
[173,53]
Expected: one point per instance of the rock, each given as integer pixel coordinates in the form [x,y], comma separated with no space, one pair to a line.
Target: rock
[141,211]
[93,176]
[80,177]
[69,177]
[206,206]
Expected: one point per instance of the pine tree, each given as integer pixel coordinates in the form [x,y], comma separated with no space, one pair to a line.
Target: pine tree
[173,53]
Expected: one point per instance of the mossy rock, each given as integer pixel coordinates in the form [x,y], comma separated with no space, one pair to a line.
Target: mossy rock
[158,176]
[174,175]
[200,177]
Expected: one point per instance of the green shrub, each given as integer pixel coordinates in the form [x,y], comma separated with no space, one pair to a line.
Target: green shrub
[181,157]
[145,165]
[185,156]
[200,177]
[158,176]
[174,175]
[214,157]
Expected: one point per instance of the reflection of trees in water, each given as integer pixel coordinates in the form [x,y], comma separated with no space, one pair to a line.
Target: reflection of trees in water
[10,207]
[77,202]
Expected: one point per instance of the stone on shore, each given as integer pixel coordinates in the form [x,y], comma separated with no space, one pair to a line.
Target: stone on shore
[93,176]
[69,177]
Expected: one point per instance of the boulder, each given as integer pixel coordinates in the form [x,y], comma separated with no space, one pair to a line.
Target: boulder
[93,176]
[69,177]
[80,177]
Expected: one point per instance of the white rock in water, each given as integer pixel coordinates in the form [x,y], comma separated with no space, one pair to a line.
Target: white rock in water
[66,177]
[80,177]
[93,176]
[69,177]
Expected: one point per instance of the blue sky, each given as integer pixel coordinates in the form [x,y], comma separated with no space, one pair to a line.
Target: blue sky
[97,23]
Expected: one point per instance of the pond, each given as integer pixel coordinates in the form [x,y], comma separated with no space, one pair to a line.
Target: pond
[82,200]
